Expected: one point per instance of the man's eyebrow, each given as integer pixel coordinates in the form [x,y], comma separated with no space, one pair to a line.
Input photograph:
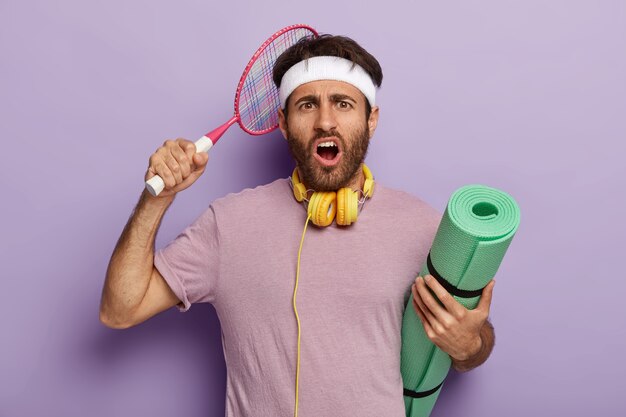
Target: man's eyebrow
[342,97]
[308,98]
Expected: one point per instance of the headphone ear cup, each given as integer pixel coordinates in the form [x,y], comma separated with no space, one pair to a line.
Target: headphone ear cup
[341,207]
[322,208]
[368,188]
[347,207]
[368,185]
[299,192]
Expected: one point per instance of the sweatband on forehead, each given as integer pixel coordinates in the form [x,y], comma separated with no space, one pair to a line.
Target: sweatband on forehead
[326,68]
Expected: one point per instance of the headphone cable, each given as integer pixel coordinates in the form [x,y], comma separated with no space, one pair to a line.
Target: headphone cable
[296,311]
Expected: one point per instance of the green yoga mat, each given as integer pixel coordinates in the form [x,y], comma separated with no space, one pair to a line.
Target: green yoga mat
[473,236]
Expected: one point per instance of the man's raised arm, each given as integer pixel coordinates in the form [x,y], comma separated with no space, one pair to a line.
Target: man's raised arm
[134,290]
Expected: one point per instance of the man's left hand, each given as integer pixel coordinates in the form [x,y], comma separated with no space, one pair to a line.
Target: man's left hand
[451,327]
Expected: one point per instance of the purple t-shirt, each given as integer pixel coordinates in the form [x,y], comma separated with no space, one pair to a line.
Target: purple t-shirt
[241,255]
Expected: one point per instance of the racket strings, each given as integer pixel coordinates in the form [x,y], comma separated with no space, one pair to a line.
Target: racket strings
[258,98]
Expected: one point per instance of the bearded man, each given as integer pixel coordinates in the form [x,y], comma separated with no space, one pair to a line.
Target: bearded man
[335,349]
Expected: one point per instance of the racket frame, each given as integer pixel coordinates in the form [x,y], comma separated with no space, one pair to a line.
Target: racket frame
[246,71]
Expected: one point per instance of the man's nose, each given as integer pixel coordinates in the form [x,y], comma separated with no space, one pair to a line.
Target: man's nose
[326,120]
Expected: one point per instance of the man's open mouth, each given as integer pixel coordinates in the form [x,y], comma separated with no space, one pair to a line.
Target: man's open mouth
[327,151]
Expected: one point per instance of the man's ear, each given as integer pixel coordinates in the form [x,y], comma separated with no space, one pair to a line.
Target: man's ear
[282,122]
[373,121]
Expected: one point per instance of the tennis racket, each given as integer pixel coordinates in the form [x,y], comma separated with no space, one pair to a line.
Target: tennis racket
[256,98]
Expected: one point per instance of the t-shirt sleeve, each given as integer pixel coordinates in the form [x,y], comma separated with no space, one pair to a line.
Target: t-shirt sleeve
[190,263]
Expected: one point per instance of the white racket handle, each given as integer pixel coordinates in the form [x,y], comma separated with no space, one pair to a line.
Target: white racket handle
[155,184]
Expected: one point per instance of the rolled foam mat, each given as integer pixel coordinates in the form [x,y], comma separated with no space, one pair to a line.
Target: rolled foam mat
[474,234]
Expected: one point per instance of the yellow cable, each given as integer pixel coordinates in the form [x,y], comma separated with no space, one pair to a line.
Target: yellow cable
[296,311]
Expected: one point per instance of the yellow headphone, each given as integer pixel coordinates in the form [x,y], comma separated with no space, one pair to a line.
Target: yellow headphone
[324,205]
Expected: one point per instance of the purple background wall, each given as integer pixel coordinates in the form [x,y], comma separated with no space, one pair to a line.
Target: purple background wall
[529,97]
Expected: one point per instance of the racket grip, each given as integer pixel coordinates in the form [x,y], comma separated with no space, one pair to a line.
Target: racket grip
[155,184]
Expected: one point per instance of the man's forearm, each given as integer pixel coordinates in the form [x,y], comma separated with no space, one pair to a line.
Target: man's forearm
[487,337]
[131,264]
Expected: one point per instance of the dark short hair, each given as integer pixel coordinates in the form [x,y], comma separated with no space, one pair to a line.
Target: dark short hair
[328,45]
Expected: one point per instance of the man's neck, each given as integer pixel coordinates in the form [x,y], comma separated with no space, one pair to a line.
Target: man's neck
[358,181]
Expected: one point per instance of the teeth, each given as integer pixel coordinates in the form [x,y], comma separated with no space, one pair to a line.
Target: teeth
[326,144]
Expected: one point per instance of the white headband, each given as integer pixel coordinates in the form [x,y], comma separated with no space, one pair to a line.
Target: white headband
[326,68]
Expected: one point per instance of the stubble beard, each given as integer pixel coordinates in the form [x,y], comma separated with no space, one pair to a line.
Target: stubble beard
[323,178]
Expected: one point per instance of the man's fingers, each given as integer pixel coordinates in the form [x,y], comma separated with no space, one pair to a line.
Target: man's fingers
[200,159]
[178,164]
[428,321]
[485,299]
[430,301]
[420,313]
[166,175]
[417,297]
[184,161]
[187,146]
[451,305]
[173,166]
[197,160]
